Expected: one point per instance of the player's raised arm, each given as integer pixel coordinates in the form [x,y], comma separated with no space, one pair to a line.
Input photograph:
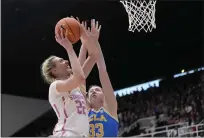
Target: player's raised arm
[83,50]
[78,77]
[82,55]
[89,39]
[90,45]
[110,99]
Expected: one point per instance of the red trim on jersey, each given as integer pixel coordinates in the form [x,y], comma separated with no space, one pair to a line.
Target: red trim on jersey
[56,109]
[63,98]
[66,116]
[63,130]
[65,113]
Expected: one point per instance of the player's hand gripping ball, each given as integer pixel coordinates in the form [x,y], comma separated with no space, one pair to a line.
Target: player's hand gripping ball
[73,27]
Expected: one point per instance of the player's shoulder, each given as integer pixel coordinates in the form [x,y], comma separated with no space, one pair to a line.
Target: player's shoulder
[53,87]
[114,116]
[53,92]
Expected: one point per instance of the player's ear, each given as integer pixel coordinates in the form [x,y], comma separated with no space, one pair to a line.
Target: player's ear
[53,70]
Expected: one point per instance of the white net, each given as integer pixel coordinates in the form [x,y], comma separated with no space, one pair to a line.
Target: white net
[141,14]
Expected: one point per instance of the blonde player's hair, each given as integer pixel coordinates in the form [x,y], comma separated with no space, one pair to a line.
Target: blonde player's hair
[46,70]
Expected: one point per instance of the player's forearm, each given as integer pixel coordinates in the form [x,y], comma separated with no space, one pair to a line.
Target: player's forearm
[101,62]
[110,98]
[76,67]
[106,84]
[82,54]
[91,48]
[88,65]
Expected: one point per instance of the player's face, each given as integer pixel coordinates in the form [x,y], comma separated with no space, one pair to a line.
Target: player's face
[61,67]
[95,94]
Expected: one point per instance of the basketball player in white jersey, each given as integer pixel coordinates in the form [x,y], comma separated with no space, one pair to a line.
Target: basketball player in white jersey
[66,91]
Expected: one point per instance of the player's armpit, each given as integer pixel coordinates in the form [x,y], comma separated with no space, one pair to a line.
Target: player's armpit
[69,84]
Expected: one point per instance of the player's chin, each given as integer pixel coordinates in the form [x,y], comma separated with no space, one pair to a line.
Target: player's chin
[94,99]
[93,102]
[70,71]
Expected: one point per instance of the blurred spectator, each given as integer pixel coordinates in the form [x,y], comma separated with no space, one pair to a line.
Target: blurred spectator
[181,99]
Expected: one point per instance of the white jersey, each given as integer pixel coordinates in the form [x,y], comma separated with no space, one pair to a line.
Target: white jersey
[71,111]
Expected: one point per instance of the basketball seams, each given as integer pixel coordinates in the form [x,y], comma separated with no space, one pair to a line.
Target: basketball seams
[70,29]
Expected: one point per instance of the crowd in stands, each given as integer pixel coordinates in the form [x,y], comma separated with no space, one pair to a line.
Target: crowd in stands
[178,100]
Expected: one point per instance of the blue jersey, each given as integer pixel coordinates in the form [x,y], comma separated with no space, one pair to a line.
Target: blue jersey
[102,124]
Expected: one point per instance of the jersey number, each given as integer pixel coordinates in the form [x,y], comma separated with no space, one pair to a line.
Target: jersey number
[93,128]
[81,106]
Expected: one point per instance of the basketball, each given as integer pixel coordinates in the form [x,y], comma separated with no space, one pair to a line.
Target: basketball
[73,27]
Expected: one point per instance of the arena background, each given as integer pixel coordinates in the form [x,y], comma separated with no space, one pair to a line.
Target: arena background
[131,58]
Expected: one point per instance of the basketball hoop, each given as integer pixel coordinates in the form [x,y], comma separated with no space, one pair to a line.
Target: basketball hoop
[141,14]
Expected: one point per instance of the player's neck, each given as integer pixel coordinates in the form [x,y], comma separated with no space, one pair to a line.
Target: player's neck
[63,77]
[97,107]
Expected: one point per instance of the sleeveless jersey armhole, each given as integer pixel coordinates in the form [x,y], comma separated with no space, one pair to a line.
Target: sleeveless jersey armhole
[107,111]
[114,117]
[54,87]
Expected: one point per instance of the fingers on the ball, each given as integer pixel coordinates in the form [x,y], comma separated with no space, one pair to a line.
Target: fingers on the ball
[56,38]
[78,19]
[82,23]
[66,33]
[62,33]
[83,27]
[59,35]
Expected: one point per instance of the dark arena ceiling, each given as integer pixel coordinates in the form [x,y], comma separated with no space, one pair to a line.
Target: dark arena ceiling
[131,58]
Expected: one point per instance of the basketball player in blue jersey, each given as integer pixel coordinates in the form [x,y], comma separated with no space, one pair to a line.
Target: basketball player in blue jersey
[103,119]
